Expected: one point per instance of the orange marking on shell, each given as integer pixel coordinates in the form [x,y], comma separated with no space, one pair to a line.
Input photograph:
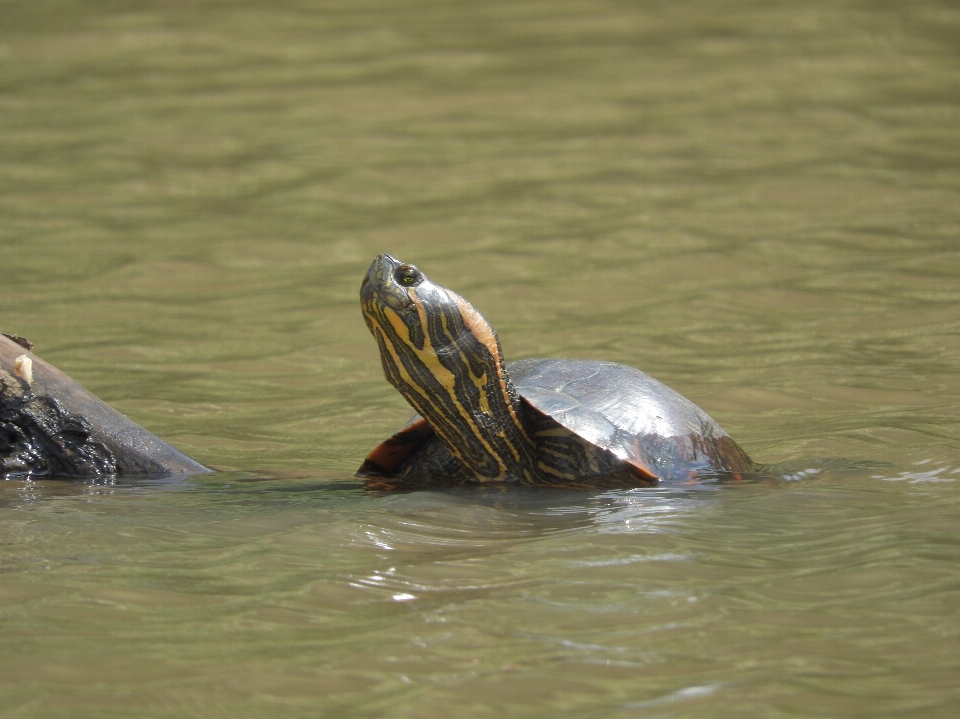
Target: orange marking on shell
[642,469]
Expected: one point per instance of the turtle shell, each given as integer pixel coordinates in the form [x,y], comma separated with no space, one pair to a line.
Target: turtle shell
[630,414]
[633,417]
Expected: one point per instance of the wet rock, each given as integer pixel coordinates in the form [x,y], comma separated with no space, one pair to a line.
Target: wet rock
[51,426]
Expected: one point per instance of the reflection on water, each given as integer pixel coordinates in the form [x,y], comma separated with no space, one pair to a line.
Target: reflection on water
[930,474]
[754,203]
[288,591]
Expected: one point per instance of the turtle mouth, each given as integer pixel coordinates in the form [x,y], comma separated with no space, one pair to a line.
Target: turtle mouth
[380,286]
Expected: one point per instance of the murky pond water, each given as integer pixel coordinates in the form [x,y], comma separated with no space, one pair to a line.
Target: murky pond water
[757,203]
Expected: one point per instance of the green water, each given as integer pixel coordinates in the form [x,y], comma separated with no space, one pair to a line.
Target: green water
[755,202]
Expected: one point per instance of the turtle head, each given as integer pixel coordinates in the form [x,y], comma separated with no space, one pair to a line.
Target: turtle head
[445,359]
[395,295]
[429,337]
[389,282]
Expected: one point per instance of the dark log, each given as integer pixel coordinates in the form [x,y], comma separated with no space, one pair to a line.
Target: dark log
[50,426]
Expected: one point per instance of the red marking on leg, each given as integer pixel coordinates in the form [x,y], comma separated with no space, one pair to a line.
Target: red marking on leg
[389,455]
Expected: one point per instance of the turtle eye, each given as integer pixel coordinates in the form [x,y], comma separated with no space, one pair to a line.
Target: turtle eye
[407,275]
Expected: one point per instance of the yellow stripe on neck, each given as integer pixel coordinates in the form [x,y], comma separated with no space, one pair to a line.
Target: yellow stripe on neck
[429,359]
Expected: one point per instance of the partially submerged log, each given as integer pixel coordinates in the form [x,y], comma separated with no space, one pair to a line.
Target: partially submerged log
[50,426]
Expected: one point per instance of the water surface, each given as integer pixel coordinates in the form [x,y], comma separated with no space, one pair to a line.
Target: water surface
[757,203]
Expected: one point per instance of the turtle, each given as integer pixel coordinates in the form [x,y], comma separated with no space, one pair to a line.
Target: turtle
[479,420]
